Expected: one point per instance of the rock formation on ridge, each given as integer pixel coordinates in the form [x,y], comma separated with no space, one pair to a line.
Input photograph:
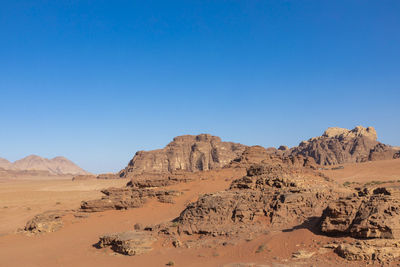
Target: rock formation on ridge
[339,145]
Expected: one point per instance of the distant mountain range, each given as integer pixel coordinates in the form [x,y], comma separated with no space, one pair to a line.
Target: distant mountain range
[55,166]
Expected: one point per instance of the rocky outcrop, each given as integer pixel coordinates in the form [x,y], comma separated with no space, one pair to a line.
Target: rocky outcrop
[382,251]
[134,195]
[128,243]
[160,182]
[46,222]
[368,214]
[339,145]
[270,195]
[259,155]
[188,152]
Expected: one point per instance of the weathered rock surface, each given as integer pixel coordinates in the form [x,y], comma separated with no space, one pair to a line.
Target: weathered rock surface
[270,195]
[259,155]
[370,250]
[129,243]
[338,146]
[127,198]
[188,153]
[159,181]
[46,222]
[135,194]
[374,214]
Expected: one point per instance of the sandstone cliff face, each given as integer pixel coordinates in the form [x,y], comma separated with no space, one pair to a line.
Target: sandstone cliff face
[188,153]
[339,145]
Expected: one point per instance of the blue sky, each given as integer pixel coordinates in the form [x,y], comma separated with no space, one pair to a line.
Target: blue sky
[95,81]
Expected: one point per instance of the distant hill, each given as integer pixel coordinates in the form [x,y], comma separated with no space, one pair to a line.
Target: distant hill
[55,166]
[4,164]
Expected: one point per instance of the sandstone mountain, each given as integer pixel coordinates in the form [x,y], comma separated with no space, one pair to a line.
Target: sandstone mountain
[187,153]
[55,166]
[339,145]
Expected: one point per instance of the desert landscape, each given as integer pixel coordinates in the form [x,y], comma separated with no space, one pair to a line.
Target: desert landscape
[201,201]
[199,133]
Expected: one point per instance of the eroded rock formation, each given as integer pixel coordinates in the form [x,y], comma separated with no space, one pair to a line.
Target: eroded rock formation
[188,152]
[45,222]
[366,214]
[339,145]
[273,195]
[129,243]
[127,198]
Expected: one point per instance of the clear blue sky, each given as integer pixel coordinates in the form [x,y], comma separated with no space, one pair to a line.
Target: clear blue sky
[95,81]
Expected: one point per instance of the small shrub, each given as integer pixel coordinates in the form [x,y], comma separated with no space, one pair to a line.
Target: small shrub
[260,248]
[346,183]
[58,203]
[170,263]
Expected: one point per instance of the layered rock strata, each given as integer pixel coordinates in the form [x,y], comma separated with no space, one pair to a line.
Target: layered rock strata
[188,153]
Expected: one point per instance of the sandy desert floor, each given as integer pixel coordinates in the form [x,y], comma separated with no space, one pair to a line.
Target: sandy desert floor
[73,245]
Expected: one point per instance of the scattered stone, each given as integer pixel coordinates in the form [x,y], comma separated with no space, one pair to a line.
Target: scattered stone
[302,254]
